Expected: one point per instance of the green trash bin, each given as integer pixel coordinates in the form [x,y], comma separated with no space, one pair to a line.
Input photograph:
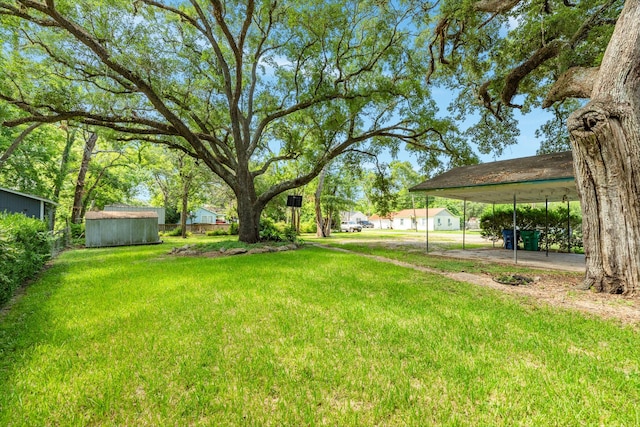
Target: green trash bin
[531,239]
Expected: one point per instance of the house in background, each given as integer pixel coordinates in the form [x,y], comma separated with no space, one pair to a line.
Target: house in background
[381,223]
[355,216]
[473,223]
[32,206]
[438,219]
[206,215]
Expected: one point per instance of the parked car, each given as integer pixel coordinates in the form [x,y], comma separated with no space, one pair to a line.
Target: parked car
[366,224]
[350,226]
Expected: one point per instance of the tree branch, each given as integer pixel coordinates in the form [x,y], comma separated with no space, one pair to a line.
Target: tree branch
[495,6]
[513,79]
[549,51]
[17,142]
[576,82]
[272,160]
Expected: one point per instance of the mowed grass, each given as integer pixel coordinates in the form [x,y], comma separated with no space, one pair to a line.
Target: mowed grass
[133,336]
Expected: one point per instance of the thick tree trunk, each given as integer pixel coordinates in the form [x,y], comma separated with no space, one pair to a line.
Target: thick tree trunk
[76,210]
[248,212]
[249,221]
[605,137]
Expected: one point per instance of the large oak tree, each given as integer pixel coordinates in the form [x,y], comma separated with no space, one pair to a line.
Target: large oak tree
[241,86]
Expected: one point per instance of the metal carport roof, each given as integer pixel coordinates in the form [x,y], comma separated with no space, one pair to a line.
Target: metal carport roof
[531,179]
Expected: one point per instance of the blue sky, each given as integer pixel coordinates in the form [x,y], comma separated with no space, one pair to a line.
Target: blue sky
[527,144]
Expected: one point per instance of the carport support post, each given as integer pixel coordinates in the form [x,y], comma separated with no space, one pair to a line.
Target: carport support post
[464,222]
[568,228]
[494,220]
[546,227]
[426,213]
[515,234]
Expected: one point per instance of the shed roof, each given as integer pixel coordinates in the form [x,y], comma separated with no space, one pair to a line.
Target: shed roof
[119,215]
[530,179]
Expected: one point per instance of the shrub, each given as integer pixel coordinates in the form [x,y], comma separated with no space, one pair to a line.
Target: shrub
[77,230]
[221,232]
[175,232]
[269,231]
[290,234]
[233,229]
[308,226]
[24,248]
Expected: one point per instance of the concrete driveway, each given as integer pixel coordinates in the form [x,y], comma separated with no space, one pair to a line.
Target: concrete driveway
[439,242]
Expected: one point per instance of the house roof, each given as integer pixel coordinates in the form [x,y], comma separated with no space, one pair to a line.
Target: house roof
[530,179]
[31,196]
[376,217]
[210,209]
[419,212]
[119,215]
[207,209]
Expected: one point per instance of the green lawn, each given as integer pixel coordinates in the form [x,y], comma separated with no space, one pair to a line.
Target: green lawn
[133,336]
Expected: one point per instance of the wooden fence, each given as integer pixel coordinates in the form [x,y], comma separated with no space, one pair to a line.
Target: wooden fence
[196,228]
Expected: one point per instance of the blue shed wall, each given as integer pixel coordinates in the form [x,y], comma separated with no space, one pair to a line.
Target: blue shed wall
[15,203]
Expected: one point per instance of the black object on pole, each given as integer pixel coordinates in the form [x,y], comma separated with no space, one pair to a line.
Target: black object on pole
[294,201]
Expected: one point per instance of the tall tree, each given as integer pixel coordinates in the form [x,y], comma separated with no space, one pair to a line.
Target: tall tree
[337,191]
[65,160]
[404,177]
[511,54]
[77,208]
[381,191]
[219,80]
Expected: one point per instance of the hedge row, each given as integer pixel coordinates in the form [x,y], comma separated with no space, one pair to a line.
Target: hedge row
[527,218]
[24,248]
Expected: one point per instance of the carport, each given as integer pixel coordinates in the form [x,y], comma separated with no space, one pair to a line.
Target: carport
[545,178]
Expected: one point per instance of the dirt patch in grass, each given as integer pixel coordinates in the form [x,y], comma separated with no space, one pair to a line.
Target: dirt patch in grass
[222,251]
[564,291]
